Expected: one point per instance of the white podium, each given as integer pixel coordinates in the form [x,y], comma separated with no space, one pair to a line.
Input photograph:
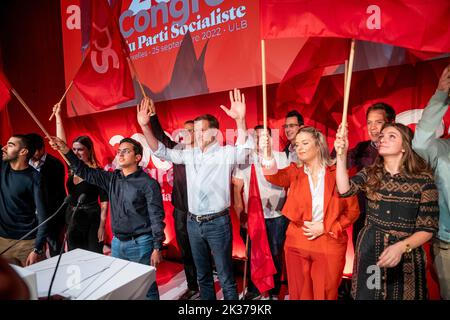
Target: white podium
[85,275]
[29,278]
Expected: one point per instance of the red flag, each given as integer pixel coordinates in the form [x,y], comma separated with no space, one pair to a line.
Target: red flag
[301,80]
[415,24]
[261,262]
[104,78]
[5,94]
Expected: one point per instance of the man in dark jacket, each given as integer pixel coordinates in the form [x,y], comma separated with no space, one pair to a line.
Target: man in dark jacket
[179,201]
[54,191]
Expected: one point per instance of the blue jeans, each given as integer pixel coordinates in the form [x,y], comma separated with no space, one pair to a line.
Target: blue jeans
[213,237]
[137,250]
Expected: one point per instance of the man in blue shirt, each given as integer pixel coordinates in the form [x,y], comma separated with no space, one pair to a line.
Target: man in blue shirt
[137,212]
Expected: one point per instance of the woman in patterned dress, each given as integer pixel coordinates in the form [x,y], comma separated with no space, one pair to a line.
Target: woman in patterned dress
[402,215]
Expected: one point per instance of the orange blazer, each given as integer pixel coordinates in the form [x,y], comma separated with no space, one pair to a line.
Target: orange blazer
[339,213]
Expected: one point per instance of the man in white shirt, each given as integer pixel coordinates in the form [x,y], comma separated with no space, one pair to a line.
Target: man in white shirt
[208,175]
[272,198]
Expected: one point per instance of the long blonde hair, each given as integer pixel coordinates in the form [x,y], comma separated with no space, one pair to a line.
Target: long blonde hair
[321,142]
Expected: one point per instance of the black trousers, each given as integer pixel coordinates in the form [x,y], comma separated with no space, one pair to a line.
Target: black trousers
[180,219]
[82,234]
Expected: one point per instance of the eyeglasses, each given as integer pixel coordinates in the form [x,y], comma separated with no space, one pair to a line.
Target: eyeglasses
[123,151]
[291,125]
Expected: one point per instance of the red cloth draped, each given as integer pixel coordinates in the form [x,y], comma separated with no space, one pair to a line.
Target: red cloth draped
[261,262]
[104,78]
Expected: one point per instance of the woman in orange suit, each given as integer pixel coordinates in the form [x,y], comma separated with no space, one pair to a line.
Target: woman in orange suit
[316,240]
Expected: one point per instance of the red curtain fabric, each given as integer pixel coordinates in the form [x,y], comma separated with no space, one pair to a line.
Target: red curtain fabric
[303,76]
[415,24]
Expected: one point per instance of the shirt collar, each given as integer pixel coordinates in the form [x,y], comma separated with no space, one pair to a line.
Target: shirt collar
[40,163]
[291,147]
[212,147]
[136,173]
[373,145]
[308,172]
[399,175]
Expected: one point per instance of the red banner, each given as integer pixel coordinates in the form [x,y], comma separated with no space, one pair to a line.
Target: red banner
[104,78]
[220,53]
[416,24]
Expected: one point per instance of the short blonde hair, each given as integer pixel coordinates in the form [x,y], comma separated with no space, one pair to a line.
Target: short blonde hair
[321,143]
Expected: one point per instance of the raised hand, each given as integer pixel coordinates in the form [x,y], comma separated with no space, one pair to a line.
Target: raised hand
[341,142]
[59,145]
[444,81]
[57,110]
[144,111]
[237,108]
[264,144]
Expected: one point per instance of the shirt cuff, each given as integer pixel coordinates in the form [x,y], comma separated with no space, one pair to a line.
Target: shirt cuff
[268,163]
[249,143]
[440,95]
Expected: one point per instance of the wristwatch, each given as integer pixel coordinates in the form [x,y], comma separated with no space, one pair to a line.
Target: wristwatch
[38,252]
[408,248]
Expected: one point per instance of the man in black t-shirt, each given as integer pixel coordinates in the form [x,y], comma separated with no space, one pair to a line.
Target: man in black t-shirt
[21,203]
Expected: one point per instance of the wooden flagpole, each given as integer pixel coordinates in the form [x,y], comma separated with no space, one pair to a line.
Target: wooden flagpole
[137,77]
[264,89]
[62,98]
[36,120]
[244,285]
[345,73]
[348,81]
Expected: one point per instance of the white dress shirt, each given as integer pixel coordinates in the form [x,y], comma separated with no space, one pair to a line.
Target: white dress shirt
[317,193]
[272,196]
[39,164]
[208,173]
[292,154]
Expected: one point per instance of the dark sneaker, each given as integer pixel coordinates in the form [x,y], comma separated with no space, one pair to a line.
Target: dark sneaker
[189,295]
[251,296]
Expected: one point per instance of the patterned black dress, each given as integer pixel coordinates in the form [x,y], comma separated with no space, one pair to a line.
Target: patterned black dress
[404,205]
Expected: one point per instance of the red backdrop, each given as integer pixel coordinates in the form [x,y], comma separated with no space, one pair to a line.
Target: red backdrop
[39,78]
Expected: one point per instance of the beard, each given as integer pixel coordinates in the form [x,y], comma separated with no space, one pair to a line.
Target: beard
[11,158]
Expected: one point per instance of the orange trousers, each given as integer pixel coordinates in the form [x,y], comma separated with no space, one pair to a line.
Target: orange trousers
[314,267]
